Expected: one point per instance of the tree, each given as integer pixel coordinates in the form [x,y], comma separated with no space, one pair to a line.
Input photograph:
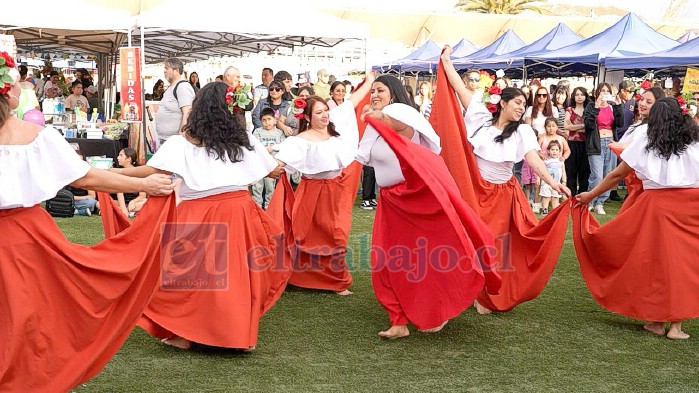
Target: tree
[499,6]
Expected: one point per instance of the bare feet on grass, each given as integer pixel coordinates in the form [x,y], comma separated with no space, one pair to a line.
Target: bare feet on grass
[346,292]
[655,328]
[676,333]
[177,342]
[436,329]
[396,331]
[481,310]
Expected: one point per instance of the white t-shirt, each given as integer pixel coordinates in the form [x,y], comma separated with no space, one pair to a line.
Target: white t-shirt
[169,116]
[33,173]
[324,159]
[495,160]
[538,124]
[655,172]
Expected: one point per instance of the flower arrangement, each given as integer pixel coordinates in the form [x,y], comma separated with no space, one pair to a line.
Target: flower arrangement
[7,63]
[297,107]
[486,80]
[237,97]
[687,103]
[645,85]
[491,98]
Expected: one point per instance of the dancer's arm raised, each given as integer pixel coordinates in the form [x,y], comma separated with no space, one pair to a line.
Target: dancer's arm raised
[455,81]
[359,94]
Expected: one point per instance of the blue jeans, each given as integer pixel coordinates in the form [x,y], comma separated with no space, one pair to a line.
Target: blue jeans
[87,203]
[600,166]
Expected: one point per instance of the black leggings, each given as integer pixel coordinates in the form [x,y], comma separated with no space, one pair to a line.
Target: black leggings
[577,168]
[368,183]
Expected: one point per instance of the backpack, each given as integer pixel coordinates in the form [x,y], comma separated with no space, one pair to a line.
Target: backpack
[62,205]
[174,92]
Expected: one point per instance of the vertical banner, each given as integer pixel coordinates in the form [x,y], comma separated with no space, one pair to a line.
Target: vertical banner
[131,95]
[691,80]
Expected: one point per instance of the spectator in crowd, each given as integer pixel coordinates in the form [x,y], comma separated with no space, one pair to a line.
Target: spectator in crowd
[348,88]
[285,78]
[269,135]
[628,105]
[472,80]
[231,77]
[51,88]
[411,97]
[158,90]
[555,167]
[27,97]
[77,98]
[526,90]
[560,101]
[424,97]
[289,124]
[322,86]
[536,116]
[602,119]
[501,83]
[577,165]
[84,77]
[194,81]
[176,102]
[93,98]
[219,78]
[261,90]
[337,94]
[274,101]
[129,203]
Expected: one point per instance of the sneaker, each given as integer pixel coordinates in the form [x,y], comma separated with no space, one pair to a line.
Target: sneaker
[366,205]
[373,203]
[544,211]
[599,209]
[536,207]
[589,208]
[88,212]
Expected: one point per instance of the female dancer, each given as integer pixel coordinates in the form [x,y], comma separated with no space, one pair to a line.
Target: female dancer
[321,218]
[220,252]
[421,211]
[483,170]
[65,308]
[650,277]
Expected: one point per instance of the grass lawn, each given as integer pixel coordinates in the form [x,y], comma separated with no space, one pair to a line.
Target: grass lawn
[313,342]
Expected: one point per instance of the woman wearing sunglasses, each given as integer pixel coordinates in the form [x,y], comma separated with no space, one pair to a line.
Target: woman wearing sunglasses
[275,101]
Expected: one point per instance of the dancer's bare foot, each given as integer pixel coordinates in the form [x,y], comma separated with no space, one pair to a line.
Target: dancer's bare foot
[655,328]
[394,332]
[481,310]
[435,329]
[346,292]
[675,332]
[248,350]
[177,342]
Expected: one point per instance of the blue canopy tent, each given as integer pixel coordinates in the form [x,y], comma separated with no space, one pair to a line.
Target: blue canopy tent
[559,37]
[629,36]
[427,51]
[506,43]
[683,55]
[462,48]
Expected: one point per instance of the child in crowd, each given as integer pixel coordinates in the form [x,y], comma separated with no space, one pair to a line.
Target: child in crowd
[269,135]
[77,99]
[551,126]
[555,166]
[529,181]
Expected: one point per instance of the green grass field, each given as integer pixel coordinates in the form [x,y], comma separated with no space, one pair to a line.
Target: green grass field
[317,342]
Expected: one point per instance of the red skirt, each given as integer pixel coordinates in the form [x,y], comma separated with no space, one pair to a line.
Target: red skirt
[220,273]
[643,263]
[431,252]
[634,185]
[65,309]
[321,219]
[528,249]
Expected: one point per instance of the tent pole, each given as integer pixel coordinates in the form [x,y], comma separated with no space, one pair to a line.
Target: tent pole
[143,91]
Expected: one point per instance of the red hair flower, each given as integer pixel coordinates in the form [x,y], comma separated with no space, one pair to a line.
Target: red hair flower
[9,61]
[646,85]
[495,90]
[300,103]
[637,97]
[492,108]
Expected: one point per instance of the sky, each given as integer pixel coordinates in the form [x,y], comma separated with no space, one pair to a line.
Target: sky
[648,9]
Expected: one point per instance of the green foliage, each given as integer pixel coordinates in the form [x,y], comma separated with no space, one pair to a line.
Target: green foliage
[510,7]
[312,341]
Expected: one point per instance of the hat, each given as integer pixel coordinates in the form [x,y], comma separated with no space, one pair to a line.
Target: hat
[302,79]
[627,85]
[92,90]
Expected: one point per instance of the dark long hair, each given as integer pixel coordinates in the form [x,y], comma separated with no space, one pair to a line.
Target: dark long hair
[669,130]
[658,93]
[197,85]
[308,111]
[332,88]
[508,94]
[395,87]
[212,125]
[548,105]
[571,102]
[131,153]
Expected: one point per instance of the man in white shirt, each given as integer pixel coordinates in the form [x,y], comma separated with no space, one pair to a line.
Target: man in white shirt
[176,102]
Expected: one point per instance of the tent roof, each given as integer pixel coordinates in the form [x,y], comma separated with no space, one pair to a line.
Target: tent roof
[422,55]
[681,55]
[558,37]
[629,36]
[463,48]
[508,42]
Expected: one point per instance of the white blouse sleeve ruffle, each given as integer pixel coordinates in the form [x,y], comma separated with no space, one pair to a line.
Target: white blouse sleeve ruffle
[408,116]
[677,172]
[33,173]
[202,171]
[333,154]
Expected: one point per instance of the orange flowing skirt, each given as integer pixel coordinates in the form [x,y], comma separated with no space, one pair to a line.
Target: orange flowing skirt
[221,272]
[643,263]
[528,250]
[65,309]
